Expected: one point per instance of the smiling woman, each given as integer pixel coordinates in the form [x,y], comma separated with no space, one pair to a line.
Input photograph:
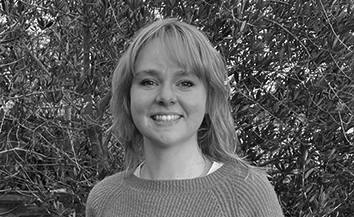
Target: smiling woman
[167,106]
[170,109]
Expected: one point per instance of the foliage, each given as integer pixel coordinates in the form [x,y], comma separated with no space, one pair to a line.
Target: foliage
[290,66]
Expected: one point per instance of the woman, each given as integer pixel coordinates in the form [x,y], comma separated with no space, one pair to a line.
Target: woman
[170,109]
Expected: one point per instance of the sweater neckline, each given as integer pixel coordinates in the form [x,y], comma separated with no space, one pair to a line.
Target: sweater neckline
[134,183]
[214,166]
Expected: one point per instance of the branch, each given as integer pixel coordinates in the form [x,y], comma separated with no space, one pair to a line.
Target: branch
[330,25]
[37,60]
[7,64]
[24,150]
[290,33]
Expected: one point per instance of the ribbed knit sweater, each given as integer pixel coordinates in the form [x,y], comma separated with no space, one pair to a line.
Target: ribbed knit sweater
[232,190]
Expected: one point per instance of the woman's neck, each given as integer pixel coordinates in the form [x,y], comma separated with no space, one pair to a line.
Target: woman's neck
[174,163]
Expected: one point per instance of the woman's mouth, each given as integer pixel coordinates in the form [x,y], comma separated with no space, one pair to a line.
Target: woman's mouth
[166,118]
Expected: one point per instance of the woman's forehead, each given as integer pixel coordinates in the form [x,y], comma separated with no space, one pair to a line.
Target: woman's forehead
[176,50]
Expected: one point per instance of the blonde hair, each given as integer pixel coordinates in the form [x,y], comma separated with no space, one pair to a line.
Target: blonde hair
[191,50]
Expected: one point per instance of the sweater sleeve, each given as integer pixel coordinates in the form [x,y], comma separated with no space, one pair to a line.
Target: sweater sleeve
[101,193]
[261,196]
[89,212]
[93,201]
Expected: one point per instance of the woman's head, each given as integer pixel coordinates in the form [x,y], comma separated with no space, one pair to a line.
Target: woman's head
[190,50]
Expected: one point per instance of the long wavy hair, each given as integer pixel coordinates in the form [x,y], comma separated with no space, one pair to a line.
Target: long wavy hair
[191,50]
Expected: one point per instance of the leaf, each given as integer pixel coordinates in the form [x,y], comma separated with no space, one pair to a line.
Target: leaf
[243,26]
[296,94]
[281,55]
[308,173]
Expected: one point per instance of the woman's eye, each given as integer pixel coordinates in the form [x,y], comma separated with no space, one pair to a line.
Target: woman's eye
[147,82]
[187,84]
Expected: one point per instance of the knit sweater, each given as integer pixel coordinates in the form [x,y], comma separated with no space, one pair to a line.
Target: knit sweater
[232,190]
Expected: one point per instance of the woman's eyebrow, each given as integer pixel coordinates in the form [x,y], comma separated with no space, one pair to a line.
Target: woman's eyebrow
[150,72]
[184,73]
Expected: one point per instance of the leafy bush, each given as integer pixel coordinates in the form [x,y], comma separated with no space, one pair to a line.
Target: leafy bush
[291,70]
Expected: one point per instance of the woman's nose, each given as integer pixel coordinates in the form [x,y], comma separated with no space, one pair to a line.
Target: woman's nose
[166,95]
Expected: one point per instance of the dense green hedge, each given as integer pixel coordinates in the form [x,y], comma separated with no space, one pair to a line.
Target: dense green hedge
[290,65]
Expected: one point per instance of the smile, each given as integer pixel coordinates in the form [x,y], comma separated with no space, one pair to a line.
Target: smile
[165,118]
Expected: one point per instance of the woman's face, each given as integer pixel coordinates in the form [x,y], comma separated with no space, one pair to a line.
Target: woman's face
[168,104]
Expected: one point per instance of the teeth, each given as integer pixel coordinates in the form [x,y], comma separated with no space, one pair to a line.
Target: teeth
[165,118]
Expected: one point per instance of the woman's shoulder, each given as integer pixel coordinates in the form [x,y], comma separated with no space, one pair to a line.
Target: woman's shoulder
[106,188]
[239,173]
[112,182]
[252,188]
